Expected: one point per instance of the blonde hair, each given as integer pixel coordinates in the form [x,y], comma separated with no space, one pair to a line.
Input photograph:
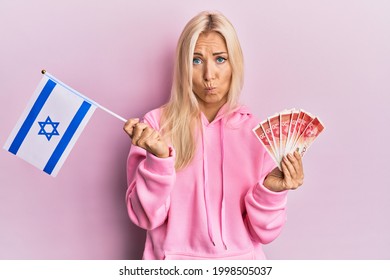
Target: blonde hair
[181,115]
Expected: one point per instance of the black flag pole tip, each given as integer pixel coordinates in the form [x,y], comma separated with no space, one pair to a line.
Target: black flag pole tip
[43,71]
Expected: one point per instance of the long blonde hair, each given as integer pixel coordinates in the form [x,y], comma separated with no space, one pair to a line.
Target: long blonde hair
[181,115]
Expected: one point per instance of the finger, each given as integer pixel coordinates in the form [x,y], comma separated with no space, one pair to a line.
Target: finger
[286,175]
[128,126]
[151,142]
[297,155]
[288,181]
[296,171]
[156,145]
[145,135]
[137,132]
[296,161]
[153,137]
[288,162]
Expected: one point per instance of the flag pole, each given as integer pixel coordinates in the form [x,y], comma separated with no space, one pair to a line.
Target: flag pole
[111,112]
[84,97]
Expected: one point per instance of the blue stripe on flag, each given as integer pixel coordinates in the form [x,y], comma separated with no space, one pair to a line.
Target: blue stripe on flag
[31,117]
[70,131]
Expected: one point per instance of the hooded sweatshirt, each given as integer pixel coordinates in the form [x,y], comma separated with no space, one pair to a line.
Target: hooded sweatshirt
[217,206]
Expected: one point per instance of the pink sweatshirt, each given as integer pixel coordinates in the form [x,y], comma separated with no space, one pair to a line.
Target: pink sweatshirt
[217,207]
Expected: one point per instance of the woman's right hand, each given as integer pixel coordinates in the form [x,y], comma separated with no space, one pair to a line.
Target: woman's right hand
[142,135]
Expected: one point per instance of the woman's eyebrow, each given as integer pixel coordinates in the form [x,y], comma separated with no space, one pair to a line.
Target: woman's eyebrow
[216,53]
[219,53]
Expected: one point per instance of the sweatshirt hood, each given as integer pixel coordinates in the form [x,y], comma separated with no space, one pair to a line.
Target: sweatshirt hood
[233,118]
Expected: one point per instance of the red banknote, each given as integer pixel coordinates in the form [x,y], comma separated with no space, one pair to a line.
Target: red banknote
[288,131]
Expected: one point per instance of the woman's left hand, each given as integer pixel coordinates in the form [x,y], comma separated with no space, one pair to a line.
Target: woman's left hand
[291,176]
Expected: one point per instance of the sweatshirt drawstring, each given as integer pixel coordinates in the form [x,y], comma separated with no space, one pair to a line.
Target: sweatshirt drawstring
[205,190]
[222,218]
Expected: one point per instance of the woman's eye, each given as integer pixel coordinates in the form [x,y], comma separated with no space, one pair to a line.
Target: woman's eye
[196,61]
[221,59]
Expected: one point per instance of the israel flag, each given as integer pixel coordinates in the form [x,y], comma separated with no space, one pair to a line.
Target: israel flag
[50,125]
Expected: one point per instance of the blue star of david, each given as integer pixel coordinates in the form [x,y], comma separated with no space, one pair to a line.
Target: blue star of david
[43,131]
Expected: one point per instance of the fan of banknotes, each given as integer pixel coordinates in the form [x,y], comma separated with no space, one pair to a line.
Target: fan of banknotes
[288,131]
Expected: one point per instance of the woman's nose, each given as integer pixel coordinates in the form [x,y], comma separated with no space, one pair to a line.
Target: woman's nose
[209,71]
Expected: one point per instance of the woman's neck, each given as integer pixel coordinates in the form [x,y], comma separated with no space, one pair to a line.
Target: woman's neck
[210,110]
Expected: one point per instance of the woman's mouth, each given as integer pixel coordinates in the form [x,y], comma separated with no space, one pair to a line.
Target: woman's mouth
[210,90]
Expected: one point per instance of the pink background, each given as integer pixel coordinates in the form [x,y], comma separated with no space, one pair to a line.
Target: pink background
[331,58]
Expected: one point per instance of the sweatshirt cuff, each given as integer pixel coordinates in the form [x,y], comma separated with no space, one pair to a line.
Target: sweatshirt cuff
[162,166]
[264,196]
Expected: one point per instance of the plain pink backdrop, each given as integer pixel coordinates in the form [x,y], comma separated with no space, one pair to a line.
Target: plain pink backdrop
[331,58]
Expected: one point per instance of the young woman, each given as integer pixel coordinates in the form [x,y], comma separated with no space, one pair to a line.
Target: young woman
[199,182]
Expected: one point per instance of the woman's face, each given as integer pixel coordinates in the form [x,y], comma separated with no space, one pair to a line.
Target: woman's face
[212,72]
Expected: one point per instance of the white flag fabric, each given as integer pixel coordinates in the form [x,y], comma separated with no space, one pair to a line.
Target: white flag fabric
[50,125]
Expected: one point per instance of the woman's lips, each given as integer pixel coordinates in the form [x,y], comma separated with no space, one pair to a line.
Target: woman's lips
[210,90]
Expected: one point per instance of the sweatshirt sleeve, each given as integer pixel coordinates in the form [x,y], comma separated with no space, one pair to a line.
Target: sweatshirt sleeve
[266,210]
[150,181]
